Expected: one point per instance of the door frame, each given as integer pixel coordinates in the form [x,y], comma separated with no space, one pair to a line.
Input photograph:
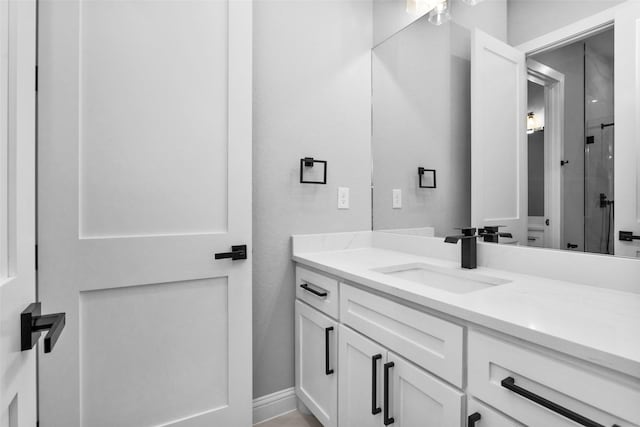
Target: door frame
[566,35]
[553,83]
[571,33]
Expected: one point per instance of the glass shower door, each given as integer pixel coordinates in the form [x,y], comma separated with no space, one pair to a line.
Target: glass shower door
[599,145]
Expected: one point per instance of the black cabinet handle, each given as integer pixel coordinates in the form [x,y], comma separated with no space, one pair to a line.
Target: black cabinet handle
[387,420]
[375,409]
[473,419]
[237,252]
[510,384]
[327,367]
[32,323]
[313,291]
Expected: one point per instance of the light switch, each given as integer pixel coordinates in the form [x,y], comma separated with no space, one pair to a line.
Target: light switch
[343,197]
[397,199]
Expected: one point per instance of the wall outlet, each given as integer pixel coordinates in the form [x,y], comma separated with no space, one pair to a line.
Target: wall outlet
[343,198]
[397,199]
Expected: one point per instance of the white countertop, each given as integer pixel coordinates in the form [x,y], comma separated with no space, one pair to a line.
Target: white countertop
[596,324]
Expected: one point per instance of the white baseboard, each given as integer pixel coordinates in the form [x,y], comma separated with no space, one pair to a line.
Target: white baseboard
[274,404]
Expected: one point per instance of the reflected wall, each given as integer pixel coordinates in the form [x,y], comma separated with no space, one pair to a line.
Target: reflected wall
[421,118]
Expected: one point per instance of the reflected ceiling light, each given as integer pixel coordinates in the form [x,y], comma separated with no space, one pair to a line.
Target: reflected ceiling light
[420,7]
[471,2]
[532,123]
[440,14]
[594,101]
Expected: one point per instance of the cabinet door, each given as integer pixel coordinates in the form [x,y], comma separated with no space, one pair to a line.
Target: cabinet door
[418,399]
[360,380]
[316,363]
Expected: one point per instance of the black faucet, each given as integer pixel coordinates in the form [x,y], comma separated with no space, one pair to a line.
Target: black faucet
[491,233]
[469,246]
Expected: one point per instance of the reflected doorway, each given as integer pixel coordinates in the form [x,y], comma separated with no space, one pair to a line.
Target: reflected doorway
[583,205]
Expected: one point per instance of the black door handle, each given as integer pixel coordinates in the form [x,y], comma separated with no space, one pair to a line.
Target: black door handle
[237,252]
[32,323]
[387,420]
[313,291]
[473,419]
[327,363]
[375,409]
[627,236]
[510,384]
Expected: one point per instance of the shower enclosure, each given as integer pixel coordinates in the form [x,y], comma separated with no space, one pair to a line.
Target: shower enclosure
[599,143]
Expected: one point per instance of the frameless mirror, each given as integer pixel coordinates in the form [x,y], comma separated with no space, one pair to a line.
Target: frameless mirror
[508,112]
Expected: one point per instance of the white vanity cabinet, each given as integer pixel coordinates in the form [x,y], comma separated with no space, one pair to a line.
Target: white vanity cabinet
[525,383]
[481,415]
[317,363]
[428,341]
[360,383]
[367,360]
[377,387]
[419,399]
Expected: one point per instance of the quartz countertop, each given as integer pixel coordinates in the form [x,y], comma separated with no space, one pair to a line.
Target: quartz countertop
[591,323]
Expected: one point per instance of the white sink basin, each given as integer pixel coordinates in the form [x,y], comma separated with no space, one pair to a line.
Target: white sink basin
[448,279]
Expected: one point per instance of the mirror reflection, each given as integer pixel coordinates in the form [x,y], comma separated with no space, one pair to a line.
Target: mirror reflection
[511,123]
[586,200]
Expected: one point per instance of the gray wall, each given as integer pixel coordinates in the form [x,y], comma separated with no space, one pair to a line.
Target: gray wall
[529,19]
[311,98]
[421,117]
[535,160]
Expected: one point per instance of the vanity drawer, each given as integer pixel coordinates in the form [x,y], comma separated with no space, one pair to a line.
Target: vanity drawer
[317,290]
[582,390]
[430,342]
[488,417]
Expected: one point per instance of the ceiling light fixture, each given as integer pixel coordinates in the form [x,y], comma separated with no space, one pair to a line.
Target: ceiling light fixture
[420,7]
[440,14]
[532,123]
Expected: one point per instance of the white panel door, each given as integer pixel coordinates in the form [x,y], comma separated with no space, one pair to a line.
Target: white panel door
[627,129]
[144,174]
[316,359]
[360,380]
[498,136]
[17,208]
[419,399]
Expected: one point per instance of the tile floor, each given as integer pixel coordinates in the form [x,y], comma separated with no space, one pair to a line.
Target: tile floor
[292,419]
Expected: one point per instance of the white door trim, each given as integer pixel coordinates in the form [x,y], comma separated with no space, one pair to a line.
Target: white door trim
[586,27]
[553,82]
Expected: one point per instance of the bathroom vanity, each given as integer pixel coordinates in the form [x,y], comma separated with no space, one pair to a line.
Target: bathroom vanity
[391,331]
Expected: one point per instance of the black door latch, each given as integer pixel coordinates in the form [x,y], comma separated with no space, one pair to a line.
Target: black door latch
[32,323]
[237,252]
[627,236]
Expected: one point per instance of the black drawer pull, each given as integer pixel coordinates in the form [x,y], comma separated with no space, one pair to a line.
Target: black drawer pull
[327,367]
[510,384]
[313,291]
[473,419]
[375,409]
[387,419]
